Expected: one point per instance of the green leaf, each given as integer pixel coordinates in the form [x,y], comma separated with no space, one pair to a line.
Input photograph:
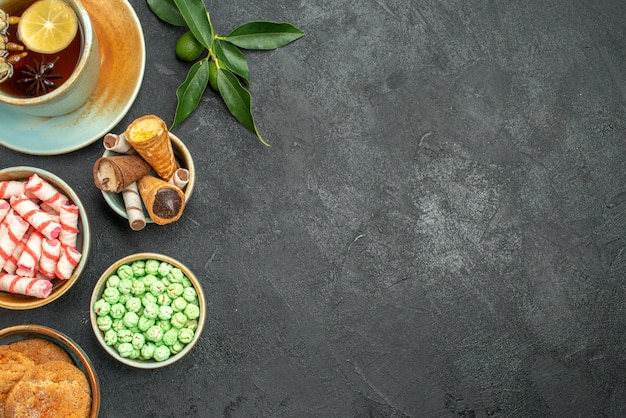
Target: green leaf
[167,11]
[197,18]
[190,92]
[238,100]
[264,35]
[231,56]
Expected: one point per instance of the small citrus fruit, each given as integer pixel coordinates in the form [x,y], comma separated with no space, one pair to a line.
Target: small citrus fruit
[213,75]
[47,26]
[188,48]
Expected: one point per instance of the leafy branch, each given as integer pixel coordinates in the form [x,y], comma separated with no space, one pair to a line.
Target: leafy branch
[224,68]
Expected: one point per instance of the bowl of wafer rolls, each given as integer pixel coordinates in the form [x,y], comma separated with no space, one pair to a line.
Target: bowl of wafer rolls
[146,173]
[45,237]
[43,372]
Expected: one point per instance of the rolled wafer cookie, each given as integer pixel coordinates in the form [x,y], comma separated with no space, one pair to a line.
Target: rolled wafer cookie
[28,286]
[11,238]
[32,213]
[134,208]
[180,178]
[28,261]
[149,136]
[164,201]
[10,188]
[45,192]
[68,218]
[68,260]
[117,143]
[10,266]
[4,208]
[114,173]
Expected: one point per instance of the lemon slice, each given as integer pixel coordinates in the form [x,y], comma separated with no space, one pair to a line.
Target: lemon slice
[47,26]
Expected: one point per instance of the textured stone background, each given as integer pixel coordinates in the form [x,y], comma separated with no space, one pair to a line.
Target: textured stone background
[437,230]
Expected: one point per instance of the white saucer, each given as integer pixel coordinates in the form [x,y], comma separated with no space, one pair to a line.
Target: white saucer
[123,52]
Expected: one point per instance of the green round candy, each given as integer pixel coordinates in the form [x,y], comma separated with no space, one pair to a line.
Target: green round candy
[148,298]
[192,311]
[138,288]
[131,319]
[101,307]
[164,300]
[185,335]
[165,325]
[125,272]
[178,320]
[154,333]
[117,324]
[135,354]
[111,295]
[113,281]
[145,323]
[164,268]
[138,340]
[147,351]
[170,337]
[161,353]
[157,287]
[190,294]
[117,311]
[174,290]
[133,304]
[179,304]
[125,285]
[139,268]
[104,322]
[125,349]
[175,275]
[152,267]
[124,335]
[148,279]
[192,324]
[165,312]
[177,347]
[151,310]
[110,337]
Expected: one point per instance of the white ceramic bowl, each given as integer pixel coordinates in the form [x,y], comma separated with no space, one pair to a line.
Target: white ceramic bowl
[105,340]
[59,287]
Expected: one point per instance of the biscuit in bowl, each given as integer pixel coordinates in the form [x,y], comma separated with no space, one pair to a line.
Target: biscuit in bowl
[54,388]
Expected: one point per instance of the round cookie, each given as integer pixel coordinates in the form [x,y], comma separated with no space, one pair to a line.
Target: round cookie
[41,350]
[13,366]
[55,389]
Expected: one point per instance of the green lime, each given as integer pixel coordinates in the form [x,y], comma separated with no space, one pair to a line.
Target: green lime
[188,48]
[213,75]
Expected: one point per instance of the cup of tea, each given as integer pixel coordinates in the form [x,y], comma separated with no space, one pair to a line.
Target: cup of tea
[49,56]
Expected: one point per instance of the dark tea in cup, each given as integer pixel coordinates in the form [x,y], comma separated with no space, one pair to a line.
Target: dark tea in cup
[40,44]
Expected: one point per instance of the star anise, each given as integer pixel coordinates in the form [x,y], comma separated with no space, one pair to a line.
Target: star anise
[39,78]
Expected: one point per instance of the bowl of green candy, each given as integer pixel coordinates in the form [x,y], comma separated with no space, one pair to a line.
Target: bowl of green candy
[148,310]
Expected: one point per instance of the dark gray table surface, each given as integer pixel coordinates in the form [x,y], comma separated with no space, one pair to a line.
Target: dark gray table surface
[436,231]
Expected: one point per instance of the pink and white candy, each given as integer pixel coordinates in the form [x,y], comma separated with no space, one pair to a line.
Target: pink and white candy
[39,219]
[28,286]
[45,192]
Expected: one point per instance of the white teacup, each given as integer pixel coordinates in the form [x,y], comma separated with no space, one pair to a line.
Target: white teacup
[75,91]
